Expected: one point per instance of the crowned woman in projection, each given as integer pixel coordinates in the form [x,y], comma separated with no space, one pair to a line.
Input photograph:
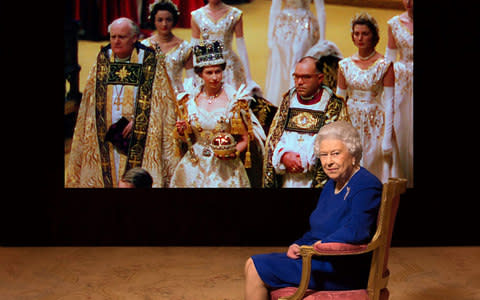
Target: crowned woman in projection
[215,125]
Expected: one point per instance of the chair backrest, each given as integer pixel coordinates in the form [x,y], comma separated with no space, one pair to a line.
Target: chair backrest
[386,218]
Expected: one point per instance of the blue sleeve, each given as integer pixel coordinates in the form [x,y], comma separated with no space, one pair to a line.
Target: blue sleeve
[359,226]
[306,239]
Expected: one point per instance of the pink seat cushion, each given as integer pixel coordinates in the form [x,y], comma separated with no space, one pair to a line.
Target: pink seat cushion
[339,248]
[321,295]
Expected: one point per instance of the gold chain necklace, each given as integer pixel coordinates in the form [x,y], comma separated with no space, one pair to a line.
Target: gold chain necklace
[118,95]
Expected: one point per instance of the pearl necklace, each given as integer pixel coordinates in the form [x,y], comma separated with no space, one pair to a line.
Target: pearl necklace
[366,57]
[213,97]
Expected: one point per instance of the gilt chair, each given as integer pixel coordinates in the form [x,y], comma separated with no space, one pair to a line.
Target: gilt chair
[379,246]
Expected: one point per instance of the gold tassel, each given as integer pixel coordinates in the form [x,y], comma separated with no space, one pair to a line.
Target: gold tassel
[248,160]
[250,132]
[238,128]
[236,123]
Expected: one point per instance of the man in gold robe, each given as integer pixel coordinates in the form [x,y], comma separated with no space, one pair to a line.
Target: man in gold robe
[289,159]
[126,115]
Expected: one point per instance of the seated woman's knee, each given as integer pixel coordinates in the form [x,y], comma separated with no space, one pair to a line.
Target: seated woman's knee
[249,265]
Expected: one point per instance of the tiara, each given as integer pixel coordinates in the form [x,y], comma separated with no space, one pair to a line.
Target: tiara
[151,6]
[364,17]
[208,53]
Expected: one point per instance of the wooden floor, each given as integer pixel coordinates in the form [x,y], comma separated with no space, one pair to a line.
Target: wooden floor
[207,273]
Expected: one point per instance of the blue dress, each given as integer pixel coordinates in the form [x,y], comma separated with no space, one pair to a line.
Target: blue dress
[347,217]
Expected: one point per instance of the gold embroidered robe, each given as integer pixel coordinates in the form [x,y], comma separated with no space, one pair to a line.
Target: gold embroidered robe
[335,109]
[92,159]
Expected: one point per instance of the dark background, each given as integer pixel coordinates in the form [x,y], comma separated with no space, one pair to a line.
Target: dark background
[37,211]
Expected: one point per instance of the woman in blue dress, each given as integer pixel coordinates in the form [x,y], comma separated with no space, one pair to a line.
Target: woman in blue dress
[346,213]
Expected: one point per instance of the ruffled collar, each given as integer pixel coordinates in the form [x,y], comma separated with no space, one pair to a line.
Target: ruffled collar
[192,90]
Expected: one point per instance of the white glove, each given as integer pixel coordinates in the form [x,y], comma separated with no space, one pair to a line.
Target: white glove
[274,11]
[242,53]
[320,8]
[388,130]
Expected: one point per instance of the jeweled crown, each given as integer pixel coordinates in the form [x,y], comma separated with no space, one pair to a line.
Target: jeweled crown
[208,53]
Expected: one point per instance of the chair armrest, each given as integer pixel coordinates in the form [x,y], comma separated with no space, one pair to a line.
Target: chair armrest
[306,252]
[334,248]
[323,249]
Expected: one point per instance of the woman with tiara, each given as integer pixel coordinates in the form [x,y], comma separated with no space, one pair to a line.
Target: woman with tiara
[178,55]
[292,31]
[400,40]
[218,21]
[215,124]
[366,80]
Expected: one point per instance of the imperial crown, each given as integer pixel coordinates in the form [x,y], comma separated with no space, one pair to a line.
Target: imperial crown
[208,53]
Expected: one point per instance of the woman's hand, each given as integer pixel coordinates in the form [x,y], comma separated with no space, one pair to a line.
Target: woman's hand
[226,157]
[241,146]
[293,251]
[181,127]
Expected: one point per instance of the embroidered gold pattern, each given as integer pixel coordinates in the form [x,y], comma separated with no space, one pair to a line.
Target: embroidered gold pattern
[142,111]
[100,96]
[336,110]
[305,120]
[124,73]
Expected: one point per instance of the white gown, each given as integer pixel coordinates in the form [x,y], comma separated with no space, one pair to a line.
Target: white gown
[403,120]
[367,114]
[175,60]
[292,31]
[210,171]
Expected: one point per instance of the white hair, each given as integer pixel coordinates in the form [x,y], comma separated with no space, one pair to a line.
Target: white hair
[343,131]
[135,30]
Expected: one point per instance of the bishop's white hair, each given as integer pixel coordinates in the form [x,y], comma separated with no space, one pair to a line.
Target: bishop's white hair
[134,27]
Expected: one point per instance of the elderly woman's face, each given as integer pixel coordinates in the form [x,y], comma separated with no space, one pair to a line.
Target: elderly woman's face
[337,162]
